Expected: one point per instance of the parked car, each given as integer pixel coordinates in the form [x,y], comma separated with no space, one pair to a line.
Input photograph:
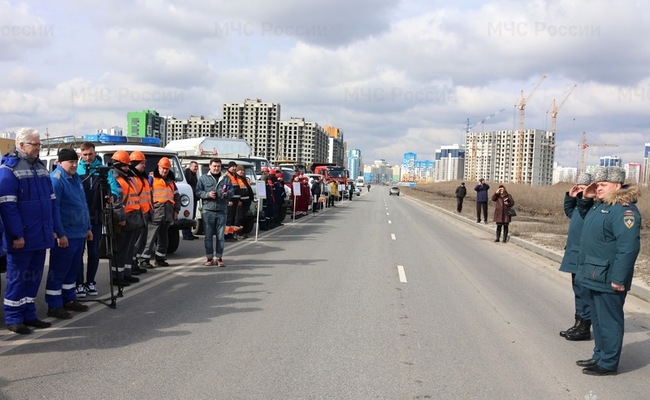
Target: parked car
[393,190]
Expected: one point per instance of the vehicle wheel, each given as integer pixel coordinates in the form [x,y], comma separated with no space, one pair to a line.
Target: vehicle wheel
[249,223]
[173,239]
[198,227]
[398,194]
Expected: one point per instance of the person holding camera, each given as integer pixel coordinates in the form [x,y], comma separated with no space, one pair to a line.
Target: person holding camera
[215,190]
[502,217]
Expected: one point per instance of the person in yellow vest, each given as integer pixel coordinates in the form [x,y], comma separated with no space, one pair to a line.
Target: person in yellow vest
[334,192]
[138,166]
[166,205]
[126,210]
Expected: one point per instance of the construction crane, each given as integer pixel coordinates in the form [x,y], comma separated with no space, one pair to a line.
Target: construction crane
[556,109]
[583,149]
[468,128]
[521,106]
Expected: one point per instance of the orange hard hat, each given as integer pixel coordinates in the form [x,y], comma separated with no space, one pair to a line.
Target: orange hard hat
[121,156]
[137,156]
[165,163]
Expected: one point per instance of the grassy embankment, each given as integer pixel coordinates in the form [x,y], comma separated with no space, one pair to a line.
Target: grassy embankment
[540,214]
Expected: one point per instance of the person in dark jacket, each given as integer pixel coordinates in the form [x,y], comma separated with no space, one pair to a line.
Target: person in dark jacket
[215,190]
[461,192]
[88,171]
[503,201]
[609,247]
[576,207]
[192,179]
[27,205]
[481,200]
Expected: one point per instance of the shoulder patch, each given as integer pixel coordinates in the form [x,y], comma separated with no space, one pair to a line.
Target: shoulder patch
[629,219]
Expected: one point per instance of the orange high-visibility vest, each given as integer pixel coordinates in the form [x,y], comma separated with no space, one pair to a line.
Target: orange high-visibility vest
[162,192]
[130,197]
[143,187]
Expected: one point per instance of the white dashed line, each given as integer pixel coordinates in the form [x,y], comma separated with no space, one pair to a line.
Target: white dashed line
[389,222]
[392,236]
[402,274]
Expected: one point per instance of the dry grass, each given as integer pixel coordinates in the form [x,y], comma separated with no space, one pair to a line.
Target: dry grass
[540,213]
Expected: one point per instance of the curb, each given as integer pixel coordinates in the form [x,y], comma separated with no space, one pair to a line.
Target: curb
[638,291]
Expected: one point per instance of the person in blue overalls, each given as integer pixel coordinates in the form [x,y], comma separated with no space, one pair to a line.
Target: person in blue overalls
[609,246]
[27,204]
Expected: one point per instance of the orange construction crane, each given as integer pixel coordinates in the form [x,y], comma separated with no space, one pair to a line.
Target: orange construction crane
[521,106]
[583,149]
[556,109]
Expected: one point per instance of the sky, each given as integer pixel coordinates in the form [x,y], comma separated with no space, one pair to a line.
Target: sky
[395,76]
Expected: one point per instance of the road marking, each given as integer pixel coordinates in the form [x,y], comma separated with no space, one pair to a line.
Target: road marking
[389,222]
[402,274]
[387,213]
[392,236]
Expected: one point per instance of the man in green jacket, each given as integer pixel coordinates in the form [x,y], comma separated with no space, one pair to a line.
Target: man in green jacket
[609,247]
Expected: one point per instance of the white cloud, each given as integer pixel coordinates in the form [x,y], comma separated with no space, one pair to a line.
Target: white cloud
[395,76]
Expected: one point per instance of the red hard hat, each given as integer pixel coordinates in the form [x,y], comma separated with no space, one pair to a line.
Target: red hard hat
[137,156]
[265,169]
[121,156]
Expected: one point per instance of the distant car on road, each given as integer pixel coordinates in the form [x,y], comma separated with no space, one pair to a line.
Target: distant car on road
[393,190]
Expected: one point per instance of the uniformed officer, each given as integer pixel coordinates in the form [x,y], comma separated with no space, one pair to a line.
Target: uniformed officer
[576,207]
[609,247]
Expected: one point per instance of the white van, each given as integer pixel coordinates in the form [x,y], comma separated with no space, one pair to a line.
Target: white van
[204,162]
[152,153]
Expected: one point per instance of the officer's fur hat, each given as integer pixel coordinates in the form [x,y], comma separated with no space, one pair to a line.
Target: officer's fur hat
[609,174]
[584,179]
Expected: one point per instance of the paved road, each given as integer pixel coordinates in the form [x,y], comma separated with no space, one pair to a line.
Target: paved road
[378,298]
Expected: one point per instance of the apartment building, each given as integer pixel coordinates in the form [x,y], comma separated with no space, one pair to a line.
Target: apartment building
[256,122]
[193,127]
[449,163]
[501,156]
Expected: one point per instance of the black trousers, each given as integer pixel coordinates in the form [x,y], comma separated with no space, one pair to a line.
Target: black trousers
[479,207]
[459,204]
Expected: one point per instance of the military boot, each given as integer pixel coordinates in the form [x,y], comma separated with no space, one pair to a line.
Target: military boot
[581,332]
[575,325]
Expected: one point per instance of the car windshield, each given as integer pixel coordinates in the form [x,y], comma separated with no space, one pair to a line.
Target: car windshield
[337,173]
[152,163]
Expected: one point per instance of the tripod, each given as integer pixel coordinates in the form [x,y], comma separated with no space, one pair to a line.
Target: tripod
[107,244]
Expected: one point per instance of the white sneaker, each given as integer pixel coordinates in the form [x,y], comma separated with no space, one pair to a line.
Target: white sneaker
[91,289]
[81,291]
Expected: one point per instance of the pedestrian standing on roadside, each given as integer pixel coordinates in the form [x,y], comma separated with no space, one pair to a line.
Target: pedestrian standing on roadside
[315,194]
[576,207]
[66,257]
[88,170]
[192,179]
[481,200]
[461,192]
[215,190]
[166,205]
[138,166]
[609,247]
[27,206]
[503,201]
